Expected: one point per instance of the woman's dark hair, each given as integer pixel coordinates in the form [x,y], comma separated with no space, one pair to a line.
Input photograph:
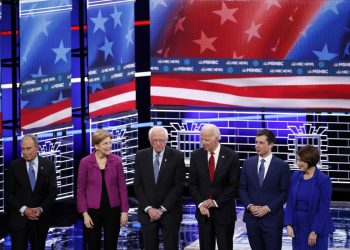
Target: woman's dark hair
[310,155]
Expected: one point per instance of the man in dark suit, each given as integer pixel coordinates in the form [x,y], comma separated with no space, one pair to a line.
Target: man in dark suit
[263,190]
[158,184]
[31,190]
[213,185]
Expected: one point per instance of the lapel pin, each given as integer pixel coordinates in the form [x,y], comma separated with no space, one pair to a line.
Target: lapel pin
[165,160]
[223,157]
[42,168]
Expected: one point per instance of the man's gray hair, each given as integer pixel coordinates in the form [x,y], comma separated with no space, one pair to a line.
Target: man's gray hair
[213,129]
[33,137]
[158,128]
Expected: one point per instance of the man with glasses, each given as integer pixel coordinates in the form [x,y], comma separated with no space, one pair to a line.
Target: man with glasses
[158,184]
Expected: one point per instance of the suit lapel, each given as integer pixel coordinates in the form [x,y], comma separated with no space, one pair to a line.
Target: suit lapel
[205,163]
[220,163]
[254,171]
[163,164]
[149,167]
[24,173]
[40,175]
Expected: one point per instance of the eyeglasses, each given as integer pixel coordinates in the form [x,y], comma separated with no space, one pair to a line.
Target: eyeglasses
[159,141]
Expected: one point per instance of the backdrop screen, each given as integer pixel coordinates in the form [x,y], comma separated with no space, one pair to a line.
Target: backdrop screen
[277,54]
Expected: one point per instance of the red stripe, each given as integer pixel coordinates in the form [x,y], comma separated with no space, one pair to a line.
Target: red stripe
[76,27]
[334,91]
[8,33]
[110,92]
[143,22]
[30,115]
[117,108]
[158,100]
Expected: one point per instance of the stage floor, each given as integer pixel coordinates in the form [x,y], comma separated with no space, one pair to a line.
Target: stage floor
[71,236]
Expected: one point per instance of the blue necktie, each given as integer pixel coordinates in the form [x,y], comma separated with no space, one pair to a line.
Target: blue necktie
[261,172]
[156,168]
[31,174]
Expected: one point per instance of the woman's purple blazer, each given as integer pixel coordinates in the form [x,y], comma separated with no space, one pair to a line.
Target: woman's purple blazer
[90,183]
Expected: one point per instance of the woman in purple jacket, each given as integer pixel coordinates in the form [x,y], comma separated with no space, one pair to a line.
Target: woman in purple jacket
[102,193]
[307,214]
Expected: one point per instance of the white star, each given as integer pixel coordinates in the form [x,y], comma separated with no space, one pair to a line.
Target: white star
[226,14]
[155,3]
[272,3]
[99,22]
[129,37]
[61,52]
[332,5]
[116,17]
[253,31]
[205,42]
[179,24]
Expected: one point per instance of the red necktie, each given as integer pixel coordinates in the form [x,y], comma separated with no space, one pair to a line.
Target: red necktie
[211,166]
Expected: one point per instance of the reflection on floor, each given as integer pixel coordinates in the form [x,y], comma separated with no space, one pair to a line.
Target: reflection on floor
[71,237]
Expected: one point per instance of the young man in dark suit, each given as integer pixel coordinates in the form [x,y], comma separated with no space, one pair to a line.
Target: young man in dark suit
[263,190]
[31,190]
[158,184]
[213,185]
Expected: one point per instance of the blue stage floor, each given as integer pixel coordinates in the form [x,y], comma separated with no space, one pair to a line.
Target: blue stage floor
[71,237]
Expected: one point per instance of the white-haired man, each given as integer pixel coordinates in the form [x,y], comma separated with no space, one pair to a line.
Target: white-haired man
[158,184]
[213,185]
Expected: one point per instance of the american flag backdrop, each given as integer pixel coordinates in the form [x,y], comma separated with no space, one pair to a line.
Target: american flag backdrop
[111,57]
[45,63]
[266,53]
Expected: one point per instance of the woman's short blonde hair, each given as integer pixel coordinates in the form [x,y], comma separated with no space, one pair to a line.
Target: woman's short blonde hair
[99,135]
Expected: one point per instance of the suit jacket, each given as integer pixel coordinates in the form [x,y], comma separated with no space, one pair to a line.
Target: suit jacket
[89,188]
[19,192]
[168,190]
[319,217]
[224,188]
[273,192]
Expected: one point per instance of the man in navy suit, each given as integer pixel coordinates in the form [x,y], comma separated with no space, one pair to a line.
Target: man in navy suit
[213,184]
[263,190]
[158,184]
[31,190]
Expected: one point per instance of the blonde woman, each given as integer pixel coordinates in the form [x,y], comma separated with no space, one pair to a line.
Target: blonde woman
[102,193]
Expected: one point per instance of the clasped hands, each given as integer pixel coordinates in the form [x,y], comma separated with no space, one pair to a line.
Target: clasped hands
[259,211]
[154,213]
[205,205]
[33,213]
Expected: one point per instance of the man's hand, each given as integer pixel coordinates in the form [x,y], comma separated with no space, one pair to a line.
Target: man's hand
[31,213]
[209,203]
[259,211]
[154,214]
[204,210]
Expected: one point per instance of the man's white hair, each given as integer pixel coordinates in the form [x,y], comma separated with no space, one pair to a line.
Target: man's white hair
[212,129]
[158,128]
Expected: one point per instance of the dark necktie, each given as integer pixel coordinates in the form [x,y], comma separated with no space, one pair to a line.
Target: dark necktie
[156,168]
[31,174]
[211,166]
[261,172]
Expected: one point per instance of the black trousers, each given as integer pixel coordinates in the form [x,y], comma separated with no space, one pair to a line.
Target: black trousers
[34,231]
[170,235]
[211,232]
[109,220]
